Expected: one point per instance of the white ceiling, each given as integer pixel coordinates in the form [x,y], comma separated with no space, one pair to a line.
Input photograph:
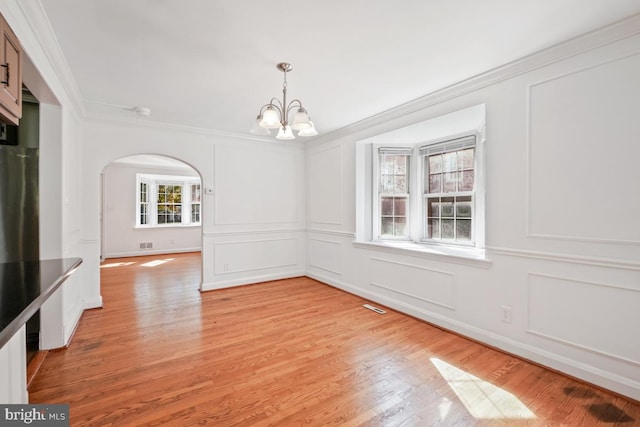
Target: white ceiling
[211,64]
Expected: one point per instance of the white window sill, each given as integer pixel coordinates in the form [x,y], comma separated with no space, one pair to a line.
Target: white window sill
[459,255]
[156,227]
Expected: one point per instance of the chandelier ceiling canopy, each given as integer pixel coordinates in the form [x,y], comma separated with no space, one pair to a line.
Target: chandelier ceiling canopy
[276,114]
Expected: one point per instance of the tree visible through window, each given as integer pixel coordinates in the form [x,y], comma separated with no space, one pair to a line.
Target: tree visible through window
[169,204]
[167,200]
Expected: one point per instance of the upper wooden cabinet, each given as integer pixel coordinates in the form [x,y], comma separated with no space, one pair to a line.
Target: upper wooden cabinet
[10,75]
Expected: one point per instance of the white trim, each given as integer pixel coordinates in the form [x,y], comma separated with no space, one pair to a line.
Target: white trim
[348,234]
[590,41]
[561,237]
[146,252]
[608,380]
[212,286]
[253,232]
[464,256]
[564,258]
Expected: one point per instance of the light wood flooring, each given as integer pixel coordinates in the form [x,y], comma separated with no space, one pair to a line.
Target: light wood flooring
[288,353]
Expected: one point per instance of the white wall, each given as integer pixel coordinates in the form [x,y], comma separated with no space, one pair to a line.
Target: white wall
[60,183]
[562,205]
[120,237]
[252,224]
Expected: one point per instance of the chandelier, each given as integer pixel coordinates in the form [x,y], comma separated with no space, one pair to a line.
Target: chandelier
[276,114]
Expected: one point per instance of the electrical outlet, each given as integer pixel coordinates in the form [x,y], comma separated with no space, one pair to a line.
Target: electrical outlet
[226,267]
[506,314]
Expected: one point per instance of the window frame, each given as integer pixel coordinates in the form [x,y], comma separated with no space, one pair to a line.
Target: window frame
[377,209]
[153,181]
[417,214]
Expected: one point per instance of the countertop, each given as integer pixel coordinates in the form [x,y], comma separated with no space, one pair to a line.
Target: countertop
[25,286]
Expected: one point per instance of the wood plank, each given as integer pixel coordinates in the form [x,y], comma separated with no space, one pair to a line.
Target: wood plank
[290,352]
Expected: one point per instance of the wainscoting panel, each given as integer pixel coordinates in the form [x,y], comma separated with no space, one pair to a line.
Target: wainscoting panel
[582,161]
[270,194]
[420,283]
[325,185]
[325,255]
[601,318]
[252,255]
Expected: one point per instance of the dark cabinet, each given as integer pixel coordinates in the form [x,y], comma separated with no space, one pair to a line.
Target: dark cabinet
[10,75]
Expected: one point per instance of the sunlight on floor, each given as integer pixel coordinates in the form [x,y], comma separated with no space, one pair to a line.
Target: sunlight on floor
[117,264]
[156,262]
[482,399]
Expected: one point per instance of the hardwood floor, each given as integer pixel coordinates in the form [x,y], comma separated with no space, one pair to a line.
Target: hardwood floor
[286,353]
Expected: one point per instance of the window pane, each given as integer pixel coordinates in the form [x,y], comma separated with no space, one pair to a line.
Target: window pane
[463,207]
[195,213]
[387,183]
[400,206]
[447,229]
[400,227]
[435,164]
[386,206]
[400,163]
[449,182]
[386,164]
[466,181]
[447,207]
[450,161]
[465,158]
[435,183]
[401,184]
[386,226]
[463,229]
[195,193]
[433,207]
[433,231]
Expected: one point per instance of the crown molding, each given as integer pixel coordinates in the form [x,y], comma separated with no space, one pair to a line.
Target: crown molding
[592,40]
[36,34]
[135,122]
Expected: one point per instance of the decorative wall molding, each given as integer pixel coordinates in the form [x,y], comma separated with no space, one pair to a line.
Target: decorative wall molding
[285,262]
[570,366]
[428,284]
[347,234]
[337,198]
[253,232]
[564,258]
[318,263]
[572,310]
[592,66]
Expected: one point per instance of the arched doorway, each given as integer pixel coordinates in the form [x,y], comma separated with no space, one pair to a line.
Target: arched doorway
[150,204]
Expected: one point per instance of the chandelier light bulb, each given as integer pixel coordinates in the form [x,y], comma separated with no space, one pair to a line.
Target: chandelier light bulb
[285,133]
[301,120]
[270,119]
[275,114]
[310,131]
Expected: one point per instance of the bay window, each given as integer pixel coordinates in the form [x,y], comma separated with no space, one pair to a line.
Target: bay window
[167,200]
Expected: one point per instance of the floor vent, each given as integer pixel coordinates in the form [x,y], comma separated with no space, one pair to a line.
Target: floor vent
[376,309]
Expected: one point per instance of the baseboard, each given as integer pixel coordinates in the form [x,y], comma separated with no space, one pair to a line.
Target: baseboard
[34,366]
[557,362]
[93,303]
[249,280]
[146,252]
